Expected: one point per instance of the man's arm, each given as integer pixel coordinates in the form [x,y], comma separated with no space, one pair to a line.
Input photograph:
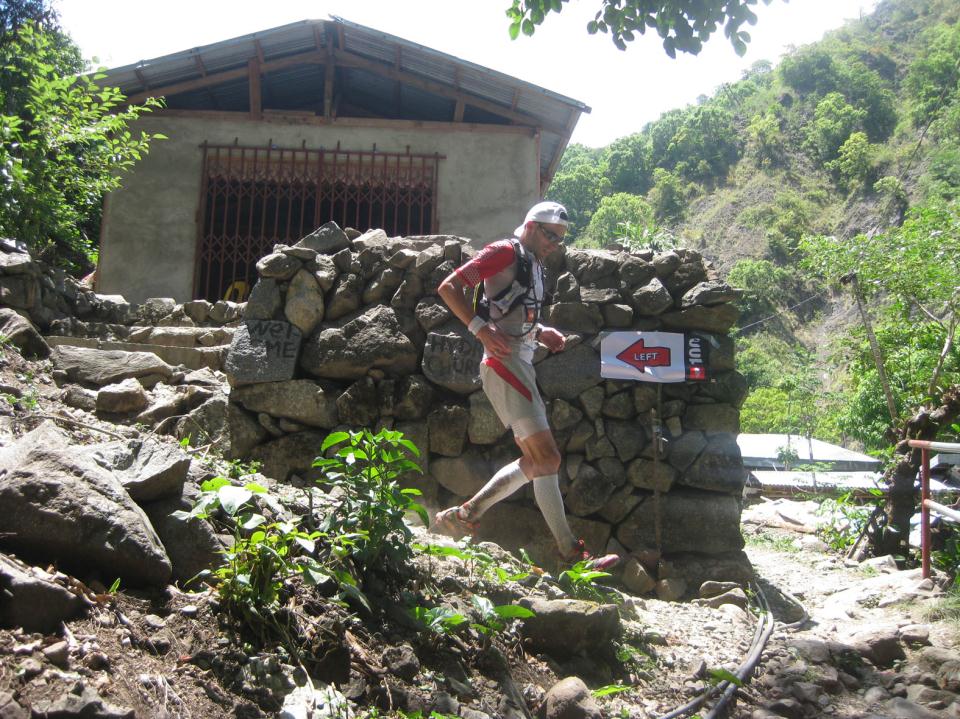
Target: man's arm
[451,291]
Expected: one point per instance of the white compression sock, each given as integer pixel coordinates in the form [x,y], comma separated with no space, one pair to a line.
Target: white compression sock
[547,492]
[504,483]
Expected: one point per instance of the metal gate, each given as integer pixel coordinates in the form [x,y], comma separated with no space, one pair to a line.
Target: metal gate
[252,198]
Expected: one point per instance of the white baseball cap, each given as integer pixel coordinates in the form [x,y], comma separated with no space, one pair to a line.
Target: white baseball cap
[553,213]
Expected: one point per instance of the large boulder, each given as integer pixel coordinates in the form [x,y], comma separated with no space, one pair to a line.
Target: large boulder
[564,627]
[452,360]
[301,400]
[31,599]
[262,351]
[149,470]
[61,506]
[21,333]
[569,373]
[372,341]
[88,366]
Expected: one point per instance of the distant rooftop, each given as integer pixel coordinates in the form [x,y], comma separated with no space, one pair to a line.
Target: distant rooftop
[760,451]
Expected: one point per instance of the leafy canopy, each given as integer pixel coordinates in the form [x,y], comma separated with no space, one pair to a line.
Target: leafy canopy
[684,25]
[64,142]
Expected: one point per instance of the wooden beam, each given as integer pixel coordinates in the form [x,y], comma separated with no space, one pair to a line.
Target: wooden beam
[458,111]
[256,98]
[141,78]
[260,58]
[201,68]
[311,57]
[352,60]
[561,148]
[295,117]
[329,75]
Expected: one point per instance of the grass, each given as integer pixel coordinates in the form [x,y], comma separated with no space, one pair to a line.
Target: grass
[776,542]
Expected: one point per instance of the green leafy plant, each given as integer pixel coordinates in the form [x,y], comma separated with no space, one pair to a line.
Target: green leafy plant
[493,619]
[475,558]
[609,690]
[581,581]
[438,620]
[367,468]
[843,518]
[238,468]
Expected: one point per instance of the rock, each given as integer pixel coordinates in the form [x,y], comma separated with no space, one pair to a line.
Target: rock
[462,475]
[651,299]
[718,318]
[712,418]
[687,274]
[278,266]
[452,360]
[79,397]
[264,301]
[32,600]
[728,387]
[570,699]
[929,697]
[102,367]
[328,239]
[401,661]
[736,597]
[715,589]
[564,627]
[223,311]
[485,426]
[64,507]
[300,400]
[81,701]
[899,708]
[262,351]
[358,406]
[148,469]
[718,468]
[373,340]
[198,310]
[717,529]
[448,429]
[589,266]
[636,578]
[671,589]
[646,474]
[592,488]
[10,709]
[190,543]
[122,397]
[291,453]
[22,334]
[711,292]
[57,654]
[684,450]
[915,634]
[569,373]
[345,297]
[431,313]
[617,315]
[316,701]
[575,316]
[415,396]
[635,271]
[881,645]
[304,302]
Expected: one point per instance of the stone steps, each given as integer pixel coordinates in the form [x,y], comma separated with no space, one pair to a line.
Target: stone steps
[191,357]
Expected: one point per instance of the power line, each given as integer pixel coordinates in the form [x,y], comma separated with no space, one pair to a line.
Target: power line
[787,309]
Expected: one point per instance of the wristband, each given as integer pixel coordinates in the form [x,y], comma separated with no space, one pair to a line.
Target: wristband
[476,324]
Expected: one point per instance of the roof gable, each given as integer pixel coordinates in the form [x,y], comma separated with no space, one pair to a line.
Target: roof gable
[336,68]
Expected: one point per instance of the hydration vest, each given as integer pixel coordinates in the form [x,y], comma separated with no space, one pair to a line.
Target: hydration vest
[518,292]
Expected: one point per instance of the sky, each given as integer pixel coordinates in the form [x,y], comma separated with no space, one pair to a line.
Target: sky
[625,89]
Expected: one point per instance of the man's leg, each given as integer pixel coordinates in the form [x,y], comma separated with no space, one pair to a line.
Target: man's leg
[541,462]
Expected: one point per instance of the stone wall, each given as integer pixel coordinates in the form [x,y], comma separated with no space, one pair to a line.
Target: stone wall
[345,332]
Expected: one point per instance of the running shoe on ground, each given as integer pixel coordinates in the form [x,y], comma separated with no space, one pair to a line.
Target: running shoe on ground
[600,563]
[453,521]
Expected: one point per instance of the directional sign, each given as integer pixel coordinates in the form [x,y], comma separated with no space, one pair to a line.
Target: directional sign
[653,356]
[640,356]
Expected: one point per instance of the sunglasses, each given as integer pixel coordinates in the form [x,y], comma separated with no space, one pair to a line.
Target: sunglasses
[551,235]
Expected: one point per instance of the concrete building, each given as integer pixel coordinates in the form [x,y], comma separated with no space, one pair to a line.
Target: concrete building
[272,134]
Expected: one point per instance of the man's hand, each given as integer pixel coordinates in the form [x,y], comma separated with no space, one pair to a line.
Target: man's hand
[493,341]
[552,339]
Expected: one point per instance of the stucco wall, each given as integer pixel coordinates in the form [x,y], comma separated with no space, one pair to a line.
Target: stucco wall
[487,181]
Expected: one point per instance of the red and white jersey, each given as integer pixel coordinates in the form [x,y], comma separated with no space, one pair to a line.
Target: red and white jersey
[496,266]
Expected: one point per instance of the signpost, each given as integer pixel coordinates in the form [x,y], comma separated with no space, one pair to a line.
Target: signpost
[653,356]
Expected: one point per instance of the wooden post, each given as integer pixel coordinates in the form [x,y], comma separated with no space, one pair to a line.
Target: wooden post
[253,76]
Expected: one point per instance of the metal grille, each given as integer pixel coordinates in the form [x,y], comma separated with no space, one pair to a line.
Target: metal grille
[255,197]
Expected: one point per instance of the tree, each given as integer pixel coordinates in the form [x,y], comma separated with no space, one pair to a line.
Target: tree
[65,142]
[614,211]
[668,196]
[854,163]
[933,79]
[684,25]
[834,120]
[579,188]
[628,164]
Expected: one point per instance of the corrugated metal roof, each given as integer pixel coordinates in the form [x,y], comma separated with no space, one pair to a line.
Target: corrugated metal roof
[760,450]
[825,481]
[363,88]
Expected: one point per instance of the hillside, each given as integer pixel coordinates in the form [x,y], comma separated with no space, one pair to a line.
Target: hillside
[846,138]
